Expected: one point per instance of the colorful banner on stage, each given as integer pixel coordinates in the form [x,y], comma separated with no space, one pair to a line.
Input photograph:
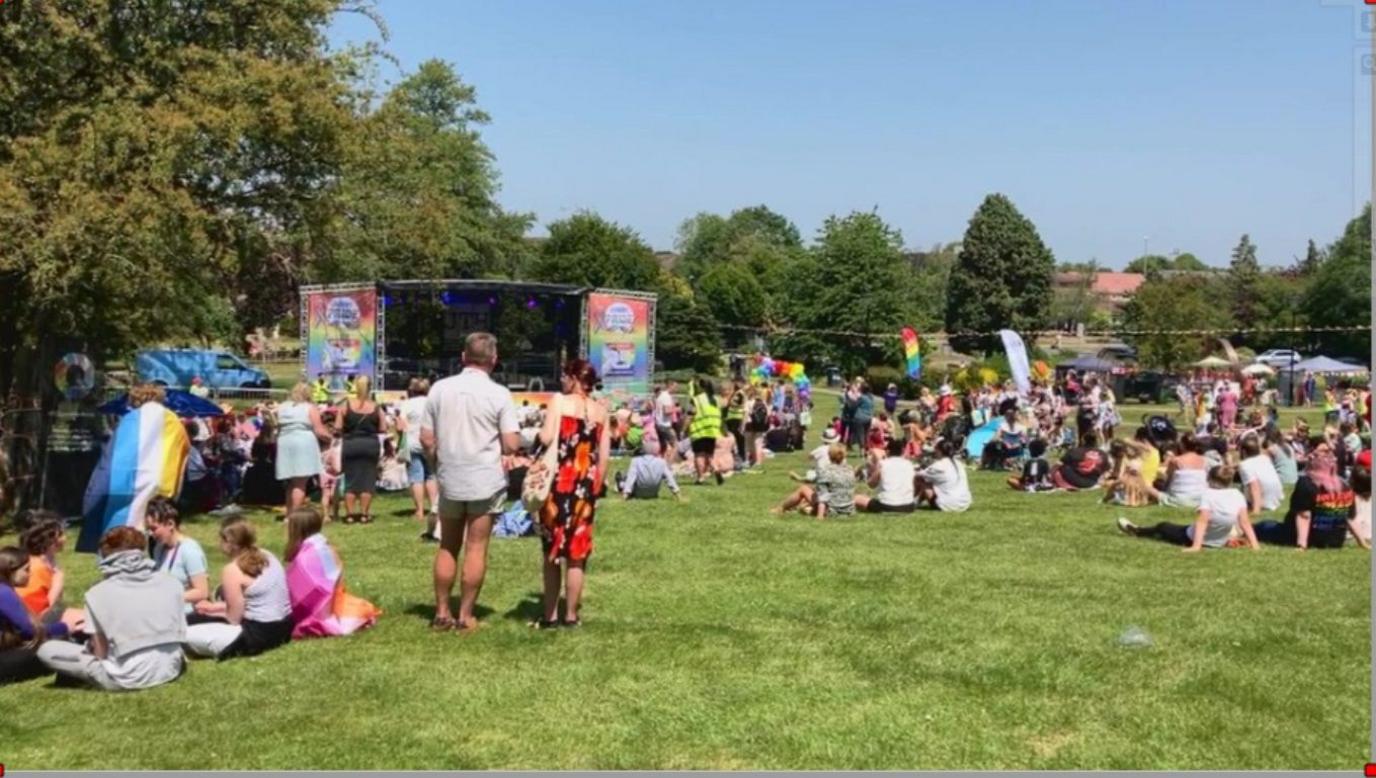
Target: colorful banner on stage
[341,335]
[619,341]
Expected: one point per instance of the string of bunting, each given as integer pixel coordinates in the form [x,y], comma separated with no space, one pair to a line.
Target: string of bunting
[1045,333]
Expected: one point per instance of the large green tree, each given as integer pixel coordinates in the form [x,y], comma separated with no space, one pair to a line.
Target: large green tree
[588,250]
[1169,305]
[854,281]
[417,191]
[1339,293]
[1002,279]
[1244,280]
[164,167]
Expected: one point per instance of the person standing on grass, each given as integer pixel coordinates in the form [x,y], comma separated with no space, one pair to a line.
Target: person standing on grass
[579,429]
[300,431]
[1222,512]
[359,421]
[864,415]
[665,410]
[470,423]
[735,418]
[420,471]
[704,429]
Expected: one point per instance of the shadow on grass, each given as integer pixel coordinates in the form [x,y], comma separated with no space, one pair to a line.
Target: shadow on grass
[427,610]
[530,608]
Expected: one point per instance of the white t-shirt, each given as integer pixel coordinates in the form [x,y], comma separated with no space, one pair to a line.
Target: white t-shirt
[413,410]
[895,482]
[950,483]
[469,413]
[1224,507]
[664,409]
[820,456]
[1260,468]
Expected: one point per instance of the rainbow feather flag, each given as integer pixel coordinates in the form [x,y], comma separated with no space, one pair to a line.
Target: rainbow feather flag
[911,353]
[145,458]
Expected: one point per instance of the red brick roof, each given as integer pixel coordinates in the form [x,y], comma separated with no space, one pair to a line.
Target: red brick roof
[1107,283]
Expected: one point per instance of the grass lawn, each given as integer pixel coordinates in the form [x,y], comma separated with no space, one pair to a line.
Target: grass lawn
[719,637]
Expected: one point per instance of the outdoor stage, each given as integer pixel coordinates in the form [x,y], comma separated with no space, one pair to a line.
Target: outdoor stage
[393,331]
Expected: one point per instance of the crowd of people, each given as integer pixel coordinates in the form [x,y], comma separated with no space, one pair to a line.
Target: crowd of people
[467,451]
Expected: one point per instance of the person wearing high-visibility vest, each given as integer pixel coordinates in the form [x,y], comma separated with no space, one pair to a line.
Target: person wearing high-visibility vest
[320,391]
[705,428]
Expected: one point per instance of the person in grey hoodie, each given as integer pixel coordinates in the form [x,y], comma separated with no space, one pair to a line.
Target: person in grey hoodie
[135,620]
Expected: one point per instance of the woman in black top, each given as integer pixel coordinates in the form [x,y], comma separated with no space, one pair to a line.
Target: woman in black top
[359,422]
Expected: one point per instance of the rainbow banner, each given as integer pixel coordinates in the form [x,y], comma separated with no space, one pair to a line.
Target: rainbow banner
[619,341]
[912,353]
[341,335]
[145,458]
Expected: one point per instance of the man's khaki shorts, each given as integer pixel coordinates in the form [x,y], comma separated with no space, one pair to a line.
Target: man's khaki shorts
[472,509]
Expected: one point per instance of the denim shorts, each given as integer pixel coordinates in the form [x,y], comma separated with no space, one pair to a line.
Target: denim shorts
[418,470]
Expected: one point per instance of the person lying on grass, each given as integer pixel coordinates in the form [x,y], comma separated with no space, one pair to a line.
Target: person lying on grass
[134,616]
[833,493]
[1222,513]
[256,609]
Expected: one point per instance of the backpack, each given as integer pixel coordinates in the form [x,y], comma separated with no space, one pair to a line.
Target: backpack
[759,417]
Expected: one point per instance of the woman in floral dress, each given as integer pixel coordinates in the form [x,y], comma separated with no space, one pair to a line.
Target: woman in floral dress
[578,426]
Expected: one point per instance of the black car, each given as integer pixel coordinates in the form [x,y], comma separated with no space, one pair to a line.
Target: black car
[1147,386]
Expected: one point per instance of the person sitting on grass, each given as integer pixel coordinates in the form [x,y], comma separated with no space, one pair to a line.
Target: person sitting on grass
[320,607]
[42,595]
[176,554]
[1260,481]
[1186,474]
[1322,509]
[833,492]
[1282,457]
[1036,471]
[647,472]
[943,485]
[256,609]
[892,479]
[1222,512]
[134,616]
[822,454]
[1008,442]
[1081,467]
[1125,483]
[20,636]
[1361,489]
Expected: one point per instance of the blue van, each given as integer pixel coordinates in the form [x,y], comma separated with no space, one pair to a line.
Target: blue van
[216,369]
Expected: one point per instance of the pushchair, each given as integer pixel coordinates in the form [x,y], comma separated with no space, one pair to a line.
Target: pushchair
[1160,429]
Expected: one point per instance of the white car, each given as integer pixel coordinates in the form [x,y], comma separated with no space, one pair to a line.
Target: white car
[1279,357]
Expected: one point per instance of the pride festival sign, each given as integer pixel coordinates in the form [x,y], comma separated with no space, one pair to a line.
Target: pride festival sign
[341,334]
[619,341]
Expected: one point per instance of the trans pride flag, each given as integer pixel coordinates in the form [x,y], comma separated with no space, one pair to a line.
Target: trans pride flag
[320,607]
[145,458]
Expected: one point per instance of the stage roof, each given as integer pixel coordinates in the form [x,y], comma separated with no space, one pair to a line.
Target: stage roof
[484,285]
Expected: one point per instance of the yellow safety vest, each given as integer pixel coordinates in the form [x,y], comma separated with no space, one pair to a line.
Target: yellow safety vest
[706,419]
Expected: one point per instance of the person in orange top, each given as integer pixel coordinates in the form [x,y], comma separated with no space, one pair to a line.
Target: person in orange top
[43,540]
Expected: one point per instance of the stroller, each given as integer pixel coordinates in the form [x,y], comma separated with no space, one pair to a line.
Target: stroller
[1160,429]
[956,428]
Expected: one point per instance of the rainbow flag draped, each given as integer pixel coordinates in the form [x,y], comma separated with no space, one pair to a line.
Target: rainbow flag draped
[145,458]
[320,606]
[912,353]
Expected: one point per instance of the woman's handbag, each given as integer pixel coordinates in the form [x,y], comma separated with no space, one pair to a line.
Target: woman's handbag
[540,476]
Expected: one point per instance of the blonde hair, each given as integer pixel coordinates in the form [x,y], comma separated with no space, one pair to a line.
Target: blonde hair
[836,453]
[419,387]
[363,388]
[146,393]
[301,393]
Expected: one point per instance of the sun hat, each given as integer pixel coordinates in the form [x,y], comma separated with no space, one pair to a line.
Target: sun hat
[829,436]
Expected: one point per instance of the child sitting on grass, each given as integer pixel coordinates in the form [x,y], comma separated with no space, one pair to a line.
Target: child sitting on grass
[1036,471]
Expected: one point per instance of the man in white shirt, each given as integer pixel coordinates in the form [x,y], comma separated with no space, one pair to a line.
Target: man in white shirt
[469,423]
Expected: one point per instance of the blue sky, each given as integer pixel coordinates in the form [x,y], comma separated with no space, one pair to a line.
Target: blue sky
[1188,122]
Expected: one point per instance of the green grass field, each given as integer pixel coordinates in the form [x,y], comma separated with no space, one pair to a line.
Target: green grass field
[719,637]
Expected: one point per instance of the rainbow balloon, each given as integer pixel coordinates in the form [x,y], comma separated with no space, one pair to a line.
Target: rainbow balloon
[912,353]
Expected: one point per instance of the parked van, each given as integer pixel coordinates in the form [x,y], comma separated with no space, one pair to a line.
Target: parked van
[216,369]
